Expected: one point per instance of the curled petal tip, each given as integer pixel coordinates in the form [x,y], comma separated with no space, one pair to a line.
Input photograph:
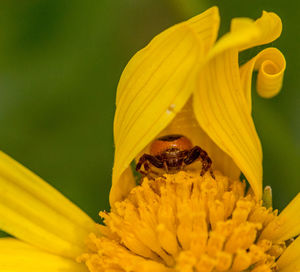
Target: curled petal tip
[271,65]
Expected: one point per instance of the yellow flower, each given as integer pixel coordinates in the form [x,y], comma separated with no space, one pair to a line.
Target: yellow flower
[183,222]
[182,81]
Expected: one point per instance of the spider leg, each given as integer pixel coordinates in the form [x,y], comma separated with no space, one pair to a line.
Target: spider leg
[166,166]
[195,153]
[147,169]
[154,161]
[146,166]
[144,161]
[150,170]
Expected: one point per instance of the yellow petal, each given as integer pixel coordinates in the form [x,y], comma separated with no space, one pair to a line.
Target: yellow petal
[16,256]
[269,29]
[35,212]
[155,85]
[293,267]
[290,259]
[221,110]
[238,37]
[270,64]
[220,105]
[287,225]
[123,187]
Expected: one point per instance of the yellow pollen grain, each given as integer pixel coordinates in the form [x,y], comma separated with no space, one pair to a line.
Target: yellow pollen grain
[188,223]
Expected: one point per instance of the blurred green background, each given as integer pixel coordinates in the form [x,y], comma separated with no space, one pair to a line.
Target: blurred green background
[60,62]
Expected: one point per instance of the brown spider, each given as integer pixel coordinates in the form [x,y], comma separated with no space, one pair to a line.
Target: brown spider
[173,153]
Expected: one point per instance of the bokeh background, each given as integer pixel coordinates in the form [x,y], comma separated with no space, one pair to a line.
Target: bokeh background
[60,62]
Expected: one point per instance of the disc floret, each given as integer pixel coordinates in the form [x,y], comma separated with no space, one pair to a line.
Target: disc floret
[185,222]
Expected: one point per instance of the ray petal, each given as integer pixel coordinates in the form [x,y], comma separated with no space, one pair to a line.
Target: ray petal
[155,85]
[287,224]
[269,25]
[221,110]
[220,104]
[33,211]
[290,259]
[271,65]
[16,256]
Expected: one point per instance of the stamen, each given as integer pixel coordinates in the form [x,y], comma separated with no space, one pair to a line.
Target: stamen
[185,222]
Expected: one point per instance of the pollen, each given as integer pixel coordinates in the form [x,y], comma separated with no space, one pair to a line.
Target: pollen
[188,223]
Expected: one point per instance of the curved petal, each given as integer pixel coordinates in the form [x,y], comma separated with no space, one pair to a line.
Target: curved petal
[220,105]
[269,26]
[35,212]
[290,259]
[222,112]
[271,65]
[237,38]
[287,224]
[155,85]
[16,256]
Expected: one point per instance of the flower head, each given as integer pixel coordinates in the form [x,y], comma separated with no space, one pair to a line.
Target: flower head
[184,81]
[185,222]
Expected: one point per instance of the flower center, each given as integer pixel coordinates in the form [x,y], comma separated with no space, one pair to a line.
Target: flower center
[185,222]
